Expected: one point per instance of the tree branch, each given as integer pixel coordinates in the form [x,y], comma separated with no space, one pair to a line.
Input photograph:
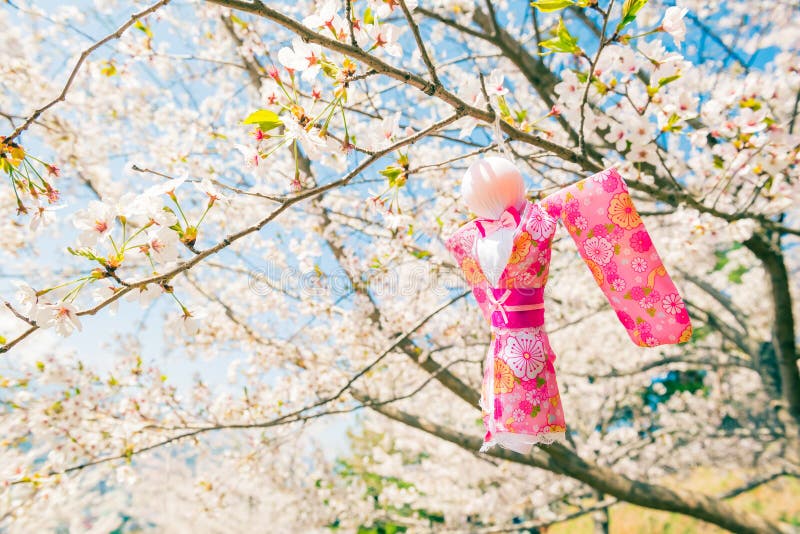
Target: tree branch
[421,46]
[284,205]
[561,460]
[86,53]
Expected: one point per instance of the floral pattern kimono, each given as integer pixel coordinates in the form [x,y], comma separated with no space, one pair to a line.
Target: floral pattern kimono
[520,399]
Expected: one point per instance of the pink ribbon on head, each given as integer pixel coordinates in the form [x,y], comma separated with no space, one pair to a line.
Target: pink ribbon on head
[508,219]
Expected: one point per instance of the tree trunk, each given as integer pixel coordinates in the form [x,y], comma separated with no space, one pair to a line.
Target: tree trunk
[783,338]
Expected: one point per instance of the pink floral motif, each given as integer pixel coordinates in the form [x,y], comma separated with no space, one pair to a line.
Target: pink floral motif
[554,208]
[610,268]
[672,303]
[610,185]
[480,294]
[626,320]
[608,180]
[581,222]
[616,234]
[639,264]
[573,207]
[525,355]
[640,241]
[537,396]
[598,249]
[637,293]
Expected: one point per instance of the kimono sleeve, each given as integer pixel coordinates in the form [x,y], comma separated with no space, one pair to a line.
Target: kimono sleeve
[599,214]
[459,246]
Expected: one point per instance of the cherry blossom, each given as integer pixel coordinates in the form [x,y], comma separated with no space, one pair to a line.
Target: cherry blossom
[61,316]
[494,84]
[384,36]
[297,276]
[95,223]
[162,245]
[302,57]
[209,188]
[673,23]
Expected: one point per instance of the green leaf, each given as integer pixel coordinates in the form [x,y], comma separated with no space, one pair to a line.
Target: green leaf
[141,27]
[108,69]
[266,119]
[368,18]
[751,103]
[664,81]
[391,172]
[504,110]
[562,42]
[395,174]
[672,124]
[629,10]
[330,70]
[54,408]
[535,411]
[735,275]
[548,6]
[87,253]
[237,20]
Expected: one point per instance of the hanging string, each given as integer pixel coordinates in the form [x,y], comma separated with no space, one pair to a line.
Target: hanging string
[499,138]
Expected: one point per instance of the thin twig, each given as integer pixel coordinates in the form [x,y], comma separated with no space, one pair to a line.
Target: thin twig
[86,53]
[286,203]
[421,45]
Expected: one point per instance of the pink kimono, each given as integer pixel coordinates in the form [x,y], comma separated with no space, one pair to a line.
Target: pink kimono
[520,399]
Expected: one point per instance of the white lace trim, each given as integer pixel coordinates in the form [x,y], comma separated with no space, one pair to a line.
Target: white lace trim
[523,443]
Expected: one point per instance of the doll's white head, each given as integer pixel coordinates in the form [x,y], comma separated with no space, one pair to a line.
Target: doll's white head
[490,185]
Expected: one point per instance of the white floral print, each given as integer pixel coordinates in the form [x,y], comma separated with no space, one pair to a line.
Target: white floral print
[525,355]
[639,264]
[599,250]
[540,224]
[672,303]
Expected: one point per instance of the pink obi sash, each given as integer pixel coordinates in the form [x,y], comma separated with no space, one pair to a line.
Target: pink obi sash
[516,307]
